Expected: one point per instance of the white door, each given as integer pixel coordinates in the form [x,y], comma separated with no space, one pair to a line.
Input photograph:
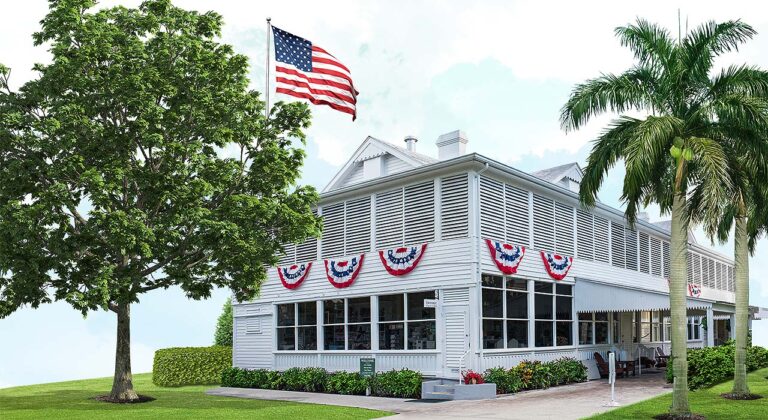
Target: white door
[456,328]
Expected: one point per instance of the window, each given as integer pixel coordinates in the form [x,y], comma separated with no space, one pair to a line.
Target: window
[505,312]
[693,328]
[347,324]
[593,328]
[586,327]
[601,328]
[405,323]
[297,326]
[617,337]
[648,326]
[553,313]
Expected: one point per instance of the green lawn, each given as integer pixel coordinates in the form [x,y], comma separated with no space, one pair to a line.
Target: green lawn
[705,401]
[73,400]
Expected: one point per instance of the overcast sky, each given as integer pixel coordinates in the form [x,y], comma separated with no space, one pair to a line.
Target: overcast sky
[500,71]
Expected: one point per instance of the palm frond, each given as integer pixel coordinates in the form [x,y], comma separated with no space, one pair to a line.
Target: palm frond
[746,80]
[709,40]
[711,174]
[651,44]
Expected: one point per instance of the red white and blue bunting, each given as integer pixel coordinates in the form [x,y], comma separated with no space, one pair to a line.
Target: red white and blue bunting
[342,272]
[694,290]
[507,257]
[401,261]
[292,276]
[556,265]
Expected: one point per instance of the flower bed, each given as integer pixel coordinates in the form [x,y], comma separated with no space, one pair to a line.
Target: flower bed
[536,375]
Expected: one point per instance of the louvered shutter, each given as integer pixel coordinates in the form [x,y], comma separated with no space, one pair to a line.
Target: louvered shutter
[731,279]
[454,206]
[289,255]
[563,229]
[543,223]
[420,213]
[585,244]
[719,276]
[630,244]
[389,219]
[656,257]
[358,226]
[665,253]
[333,230]
[690,268]
[307,250]
[645,263]
[601,240]
[492,211]
[516,212]
[618,256]
[698,274]
[711,272]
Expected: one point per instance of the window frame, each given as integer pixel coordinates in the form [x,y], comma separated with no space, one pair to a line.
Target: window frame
[406,321]
[504,319]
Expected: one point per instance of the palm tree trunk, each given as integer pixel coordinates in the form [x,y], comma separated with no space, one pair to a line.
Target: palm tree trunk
[741,274]
[678,306]
[122,383]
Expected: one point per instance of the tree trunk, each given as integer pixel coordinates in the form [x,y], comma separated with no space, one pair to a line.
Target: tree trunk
[122,384]
[678,284]
[741,274]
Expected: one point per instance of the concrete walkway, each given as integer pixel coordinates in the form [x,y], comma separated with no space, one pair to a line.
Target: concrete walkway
[560,403]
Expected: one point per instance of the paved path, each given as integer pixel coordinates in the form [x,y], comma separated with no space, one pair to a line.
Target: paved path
[560,403]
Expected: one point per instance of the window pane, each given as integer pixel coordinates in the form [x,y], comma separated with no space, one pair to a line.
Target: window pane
[308,313]
[333,312]
[333,337]
[517,284]
[492,281]
[285,338]
[421,335]
[616,327]
[585,316]
[543,305]
[493,334]
[601,316]
[391,308]
[563,289]
[492,303]
[359,310]
[645,316]
[601,333]
[517,305]
[564,333]
[645,332]
[286,315]
[564,309]
[585,333]
[416,309]
[543,333]
[391,336]
[541,287]
[359,337]
[517,334]
[307,339]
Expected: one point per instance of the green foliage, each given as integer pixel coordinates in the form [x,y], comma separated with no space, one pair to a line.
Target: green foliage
[224,325]
[536,375]
[709,366]
[507,381]
[567,370]
[296,379]
[181,366]
[346,383]
[403,383]
[308,379]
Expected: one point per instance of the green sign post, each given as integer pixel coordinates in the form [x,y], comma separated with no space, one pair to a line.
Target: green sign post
[367,366]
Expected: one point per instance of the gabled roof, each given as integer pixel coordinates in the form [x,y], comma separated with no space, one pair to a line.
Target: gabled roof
[554,175]
[371,148]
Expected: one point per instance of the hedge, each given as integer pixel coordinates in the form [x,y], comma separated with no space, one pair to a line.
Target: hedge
[536,375]
[711,365]
[181,366]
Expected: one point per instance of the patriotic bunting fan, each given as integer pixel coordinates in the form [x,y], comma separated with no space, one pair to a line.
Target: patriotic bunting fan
[400,261]
[694,290]
[557,266]
[507,257]
[292,276]
[343,271]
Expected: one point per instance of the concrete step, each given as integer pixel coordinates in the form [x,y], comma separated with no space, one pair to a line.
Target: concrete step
[449,388]
[439,395]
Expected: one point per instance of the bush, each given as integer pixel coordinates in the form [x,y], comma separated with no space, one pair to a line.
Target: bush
[181,366]
[346,383]
[471,377]
[396,383]
[535,374]
[244,378]
[711,365]
[507,381]
[304,379]
[223,335]
[567,370]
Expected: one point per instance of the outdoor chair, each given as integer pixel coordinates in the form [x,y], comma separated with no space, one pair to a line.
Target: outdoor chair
[661,358]
[602,367]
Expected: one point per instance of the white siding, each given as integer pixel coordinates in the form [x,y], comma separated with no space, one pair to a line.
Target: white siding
[252,337]
[354,175]
[393,165]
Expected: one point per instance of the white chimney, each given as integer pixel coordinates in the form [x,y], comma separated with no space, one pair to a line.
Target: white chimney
[410,143]
[451,145]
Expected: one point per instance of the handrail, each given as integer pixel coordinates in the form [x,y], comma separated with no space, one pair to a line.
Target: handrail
[461,364]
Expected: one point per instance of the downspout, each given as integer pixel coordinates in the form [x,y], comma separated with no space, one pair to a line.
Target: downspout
[478,271]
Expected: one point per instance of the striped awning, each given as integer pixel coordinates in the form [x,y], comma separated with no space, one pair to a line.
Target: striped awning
[601,297]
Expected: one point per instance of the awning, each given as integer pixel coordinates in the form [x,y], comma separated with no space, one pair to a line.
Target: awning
[601,297]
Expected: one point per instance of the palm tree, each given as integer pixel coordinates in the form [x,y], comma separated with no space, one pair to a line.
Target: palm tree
[680,147]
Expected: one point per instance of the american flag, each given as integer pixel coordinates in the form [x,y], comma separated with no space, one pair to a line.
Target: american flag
[307,71]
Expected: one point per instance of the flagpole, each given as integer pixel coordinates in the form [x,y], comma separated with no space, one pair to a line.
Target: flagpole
[266,79]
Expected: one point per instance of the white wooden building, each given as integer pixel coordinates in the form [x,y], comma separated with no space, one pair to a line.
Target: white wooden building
[615,295]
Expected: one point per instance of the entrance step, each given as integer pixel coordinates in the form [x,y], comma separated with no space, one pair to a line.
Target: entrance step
[446,389]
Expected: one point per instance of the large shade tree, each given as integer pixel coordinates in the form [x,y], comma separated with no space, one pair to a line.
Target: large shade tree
[677,141]
[139,159]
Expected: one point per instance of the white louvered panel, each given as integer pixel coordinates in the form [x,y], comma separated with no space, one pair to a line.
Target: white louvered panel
[455,295]
[731,280]
[690,268]
[420,213]
[705,280]
[645,261]
[655,257]
[698,274]
[585,244]
[306,251]
[455,341]
[517,215]
[630,244]
[492,211]
[618,256]
[564,229]
[665,255]
[454,205]
[289,255]
[711,272]
[543,223]
[333,230]
[358,226]
[719,275]
[389,219]
[601,240]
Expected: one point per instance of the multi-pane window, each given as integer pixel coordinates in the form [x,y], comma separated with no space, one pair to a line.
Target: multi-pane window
[553,314]
[347,324]
[650,326]
[693,328]
[406,323]
[297,326]
[593,328]
[505,312]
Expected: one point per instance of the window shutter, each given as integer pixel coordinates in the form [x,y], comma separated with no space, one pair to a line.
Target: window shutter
[492,212]
[333,230]
[601,240]
[656,257]
[543,223]
[516,212]
[690,267]
[358,226]
[289,255]
[711,272]
[618,256]
[665,253]
[585,244]
[630,240]
[389,219]
[731,279]
[645,262]
[307,250]
[454,205]
[564,229]
[420,212]
[719,274]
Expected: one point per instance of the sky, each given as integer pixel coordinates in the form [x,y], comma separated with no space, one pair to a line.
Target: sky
[498,70]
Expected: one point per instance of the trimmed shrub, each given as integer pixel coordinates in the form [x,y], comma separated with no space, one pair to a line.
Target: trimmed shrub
[534,374]
[507,381]
[711,365]
[181,366]
[567,370]
[346,383]
[403,383]
[244,378]
[223,335]
[308,379]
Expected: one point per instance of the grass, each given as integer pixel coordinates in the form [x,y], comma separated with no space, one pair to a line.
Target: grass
[74,400]
[704,401]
